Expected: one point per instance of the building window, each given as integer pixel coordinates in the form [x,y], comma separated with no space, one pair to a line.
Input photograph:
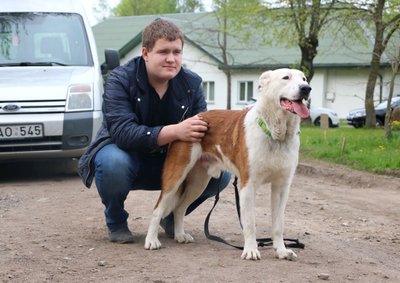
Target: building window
[245,91]
[209,90]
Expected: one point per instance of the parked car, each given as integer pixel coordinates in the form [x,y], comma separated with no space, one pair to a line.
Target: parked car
[51,85]
[315,114]
[356,117]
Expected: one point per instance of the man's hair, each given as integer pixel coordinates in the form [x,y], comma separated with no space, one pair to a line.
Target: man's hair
[158,29]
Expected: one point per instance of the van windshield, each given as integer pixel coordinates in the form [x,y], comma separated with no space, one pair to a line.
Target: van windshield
[37,39]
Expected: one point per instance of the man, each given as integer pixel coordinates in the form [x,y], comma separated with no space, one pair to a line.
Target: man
[148,103]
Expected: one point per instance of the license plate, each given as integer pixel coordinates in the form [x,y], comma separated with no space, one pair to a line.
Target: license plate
[21,131]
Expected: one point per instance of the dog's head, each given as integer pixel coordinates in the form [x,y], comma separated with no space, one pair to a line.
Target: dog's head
[287,89]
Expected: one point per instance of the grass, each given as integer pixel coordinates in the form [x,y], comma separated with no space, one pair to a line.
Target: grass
[362,149]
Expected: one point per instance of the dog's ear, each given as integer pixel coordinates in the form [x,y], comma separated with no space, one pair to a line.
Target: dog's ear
[264,79]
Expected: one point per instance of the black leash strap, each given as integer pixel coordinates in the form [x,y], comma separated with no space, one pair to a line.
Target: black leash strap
[207,232]
[261,242]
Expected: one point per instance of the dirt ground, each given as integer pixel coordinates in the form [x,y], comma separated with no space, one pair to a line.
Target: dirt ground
[52,230]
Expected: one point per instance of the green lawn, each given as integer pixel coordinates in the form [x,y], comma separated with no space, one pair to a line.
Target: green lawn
[363,149]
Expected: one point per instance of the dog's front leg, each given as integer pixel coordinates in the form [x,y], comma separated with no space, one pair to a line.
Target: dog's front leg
[247,210]
[279,197]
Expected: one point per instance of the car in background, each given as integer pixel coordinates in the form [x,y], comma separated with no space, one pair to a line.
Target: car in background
[315,114]
[356,117]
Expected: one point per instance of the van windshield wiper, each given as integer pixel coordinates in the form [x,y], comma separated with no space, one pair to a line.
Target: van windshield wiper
[49,63]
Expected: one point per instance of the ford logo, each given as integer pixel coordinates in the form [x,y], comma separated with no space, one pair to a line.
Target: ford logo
[11,107]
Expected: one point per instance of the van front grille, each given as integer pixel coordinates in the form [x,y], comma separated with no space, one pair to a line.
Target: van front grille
[34,106]
[33,144]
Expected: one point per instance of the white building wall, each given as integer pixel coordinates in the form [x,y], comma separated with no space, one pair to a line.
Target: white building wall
[206,67]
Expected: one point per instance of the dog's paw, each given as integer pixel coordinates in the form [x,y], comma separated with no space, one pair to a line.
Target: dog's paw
[153,244]
[251,254]
[184,238]
[286,254]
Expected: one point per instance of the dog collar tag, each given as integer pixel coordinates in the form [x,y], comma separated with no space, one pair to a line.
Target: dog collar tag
[263,126]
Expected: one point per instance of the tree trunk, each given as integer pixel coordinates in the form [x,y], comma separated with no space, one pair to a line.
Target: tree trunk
[370,121]
[228,94]
[395,69]
[308,53]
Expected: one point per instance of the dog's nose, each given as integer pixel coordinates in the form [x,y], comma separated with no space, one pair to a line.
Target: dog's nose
[305,91]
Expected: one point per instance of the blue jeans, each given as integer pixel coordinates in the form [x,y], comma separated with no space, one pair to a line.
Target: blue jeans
[119,171]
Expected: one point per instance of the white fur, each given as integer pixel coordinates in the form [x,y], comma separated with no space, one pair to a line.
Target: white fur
[271,160]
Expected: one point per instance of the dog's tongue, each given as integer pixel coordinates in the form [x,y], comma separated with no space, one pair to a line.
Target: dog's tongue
[301,109]
[296,106]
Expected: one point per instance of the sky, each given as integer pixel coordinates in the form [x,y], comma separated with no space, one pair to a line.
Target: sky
[89,4]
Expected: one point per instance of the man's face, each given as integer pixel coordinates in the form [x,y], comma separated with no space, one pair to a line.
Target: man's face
[164,61]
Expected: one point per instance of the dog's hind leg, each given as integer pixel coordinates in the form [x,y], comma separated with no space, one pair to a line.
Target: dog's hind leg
[181,158]
[247,211]
[195,183]
[152,242]
[279,196]
[166,203]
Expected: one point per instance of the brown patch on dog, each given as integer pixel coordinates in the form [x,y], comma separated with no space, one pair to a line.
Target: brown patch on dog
[226,129]
[178,157]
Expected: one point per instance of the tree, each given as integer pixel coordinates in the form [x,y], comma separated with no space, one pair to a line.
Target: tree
[152,7]
[222,17]
[102,10]
[395,70]
[386,18]
[228,14]
[307,18]
[304,21]
[187,6]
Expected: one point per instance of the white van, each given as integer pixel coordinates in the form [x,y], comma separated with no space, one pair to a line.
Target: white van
[50,80]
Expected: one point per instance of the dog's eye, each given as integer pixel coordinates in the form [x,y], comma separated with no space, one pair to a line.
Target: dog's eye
[285,78]
[304,79]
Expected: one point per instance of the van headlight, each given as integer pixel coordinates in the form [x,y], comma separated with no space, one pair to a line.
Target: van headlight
[79,98]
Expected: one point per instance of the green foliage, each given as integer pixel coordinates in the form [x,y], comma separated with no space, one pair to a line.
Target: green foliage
[363,149]
[145,7]
[153,7]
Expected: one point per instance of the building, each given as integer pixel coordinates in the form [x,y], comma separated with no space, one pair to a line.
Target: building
[341,66]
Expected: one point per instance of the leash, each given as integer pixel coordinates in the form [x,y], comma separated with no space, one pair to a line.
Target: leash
[261,242]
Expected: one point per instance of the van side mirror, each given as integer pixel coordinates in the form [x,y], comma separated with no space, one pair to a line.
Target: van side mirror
[112,60]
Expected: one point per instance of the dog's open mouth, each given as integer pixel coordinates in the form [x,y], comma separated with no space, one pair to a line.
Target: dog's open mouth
[295,106]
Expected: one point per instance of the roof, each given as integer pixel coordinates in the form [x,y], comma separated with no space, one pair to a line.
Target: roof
[124,33]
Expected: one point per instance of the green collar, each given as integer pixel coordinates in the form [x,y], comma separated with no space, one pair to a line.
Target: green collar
[263,126]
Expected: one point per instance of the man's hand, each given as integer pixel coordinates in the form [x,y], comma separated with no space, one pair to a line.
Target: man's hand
[192,129]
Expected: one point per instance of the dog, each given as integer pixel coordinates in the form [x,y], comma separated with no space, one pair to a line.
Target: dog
[260,145]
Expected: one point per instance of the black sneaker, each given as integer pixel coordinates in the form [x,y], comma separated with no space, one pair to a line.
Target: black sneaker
[122,235]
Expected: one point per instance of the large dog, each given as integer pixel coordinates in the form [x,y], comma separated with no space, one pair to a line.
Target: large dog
[260,145]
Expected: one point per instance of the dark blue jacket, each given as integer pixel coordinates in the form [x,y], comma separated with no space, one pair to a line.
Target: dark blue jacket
[126,104]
